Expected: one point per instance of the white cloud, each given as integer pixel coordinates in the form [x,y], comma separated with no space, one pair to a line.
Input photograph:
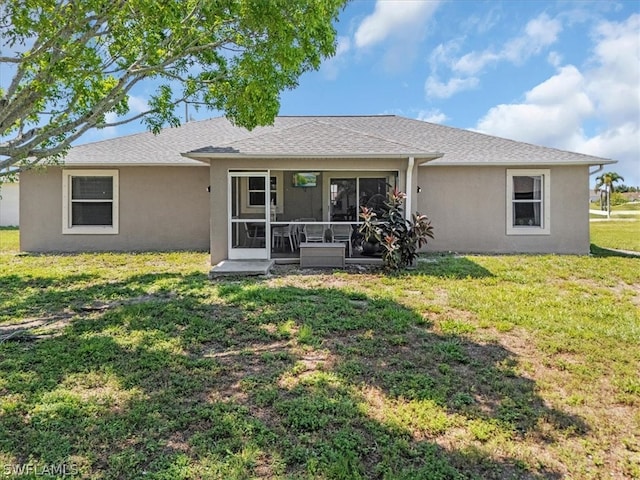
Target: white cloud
[331,67]
[483,24]
[559,89]
[606,93]
[136,105]
[474,62]
[555,59]
[444,54]
[539,33]
[343,46]
[435,88]
[622,142]
[552,113]
[614,82]
[432,116]
[394,18]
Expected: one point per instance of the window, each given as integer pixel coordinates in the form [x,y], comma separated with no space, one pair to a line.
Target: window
[90,202]
[257,191]
[528,202]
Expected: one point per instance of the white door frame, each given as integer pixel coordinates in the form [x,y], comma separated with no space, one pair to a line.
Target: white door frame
[248,252]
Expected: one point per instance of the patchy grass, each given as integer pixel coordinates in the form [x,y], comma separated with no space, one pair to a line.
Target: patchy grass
[616,234]
[467,367]
[9,239]
[627,206]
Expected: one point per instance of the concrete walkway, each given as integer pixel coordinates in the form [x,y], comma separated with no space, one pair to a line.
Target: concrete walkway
[228,268]
[614,212]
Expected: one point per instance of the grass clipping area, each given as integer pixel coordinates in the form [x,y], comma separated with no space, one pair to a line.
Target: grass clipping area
[124,365]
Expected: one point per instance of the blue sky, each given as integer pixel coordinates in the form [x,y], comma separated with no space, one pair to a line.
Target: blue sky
[564,74]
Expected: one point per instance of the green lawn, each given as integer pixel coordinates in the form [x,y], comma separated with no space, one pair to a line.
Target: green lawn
[137,366]
[631,206]
[627,206]
[617,234]
[9,239]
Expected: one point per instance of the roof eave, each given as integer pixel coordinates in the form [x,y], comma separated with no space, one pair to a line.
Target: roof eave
[127,164]
[519,164]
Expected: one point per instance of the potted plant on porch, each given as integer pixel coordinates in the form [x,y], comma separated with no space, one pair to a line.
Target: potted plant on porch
[399,237]
[370,231]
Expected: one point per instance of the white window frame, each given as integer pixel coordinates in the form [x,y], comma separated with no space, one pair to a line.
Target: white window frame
[545,209]
[263,190]
[67,227]
[248,207]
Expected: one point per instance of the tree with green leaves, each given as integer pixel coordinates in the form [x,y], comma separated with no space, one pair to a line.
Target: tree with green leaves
[68,66]
[607,181]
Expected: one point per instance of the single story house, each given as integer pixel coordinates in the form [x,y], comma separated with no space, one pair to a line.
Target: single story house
[253,194]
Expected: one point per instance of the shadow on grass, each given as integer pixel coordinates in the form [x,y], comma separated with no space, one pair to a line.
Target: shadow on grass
[597,251]
[24,296]
[243,380]
[450,266]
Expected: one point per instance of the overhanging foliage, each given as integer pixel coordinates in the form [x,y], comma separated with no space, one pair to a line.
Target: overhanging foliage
[70,66]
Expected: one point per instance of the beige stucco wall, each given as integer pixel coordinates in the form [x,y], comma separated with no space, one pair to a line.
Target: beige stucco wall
[467,206]
[219,184]
[9,204]
[161,208]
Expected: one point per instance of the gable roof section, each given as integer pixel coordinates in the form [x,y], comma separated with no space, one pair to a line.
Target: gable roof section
[390,135]
[317,137]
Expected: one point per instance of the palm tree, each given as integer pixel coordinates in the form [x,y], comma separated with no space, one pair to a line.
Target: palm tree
[607,180]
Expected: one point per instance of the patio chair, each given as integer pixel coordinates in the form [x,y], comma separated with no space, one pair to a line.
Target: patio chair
[342,233]
[254,233]
[280,232]
[313,232]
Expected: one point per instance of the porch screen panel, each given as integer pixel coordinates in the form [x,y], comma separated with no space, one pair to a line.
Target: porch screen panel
[344,205]
[373,193]
[349,195]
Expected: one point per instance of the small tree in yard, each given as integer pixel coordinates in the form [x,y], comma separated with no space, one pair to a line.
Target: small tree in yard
[399,237]
[607,181]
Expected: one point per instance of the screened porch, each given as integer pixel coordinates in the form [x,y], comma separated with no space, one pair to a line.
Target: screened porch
[273,213]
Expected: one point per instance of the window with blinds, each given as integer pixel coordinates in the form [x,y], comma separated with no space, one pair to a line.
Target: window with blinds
[528,209]
[90,201]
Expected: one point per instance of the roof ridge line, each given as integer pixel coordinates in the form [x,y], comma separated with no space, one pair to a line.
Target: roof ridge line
[388,140]
[268,132]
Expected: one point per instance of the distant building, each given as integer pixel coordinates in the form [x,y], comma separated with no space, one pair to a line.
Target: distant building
[9,205]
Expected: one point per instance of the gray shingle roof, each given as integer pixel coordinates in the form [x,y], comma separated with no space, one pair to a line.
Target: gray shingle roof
[317,137]
[332,136]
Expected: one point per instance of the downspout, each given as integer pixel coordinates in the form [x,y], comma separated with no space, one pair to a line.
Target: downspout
[409,188]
